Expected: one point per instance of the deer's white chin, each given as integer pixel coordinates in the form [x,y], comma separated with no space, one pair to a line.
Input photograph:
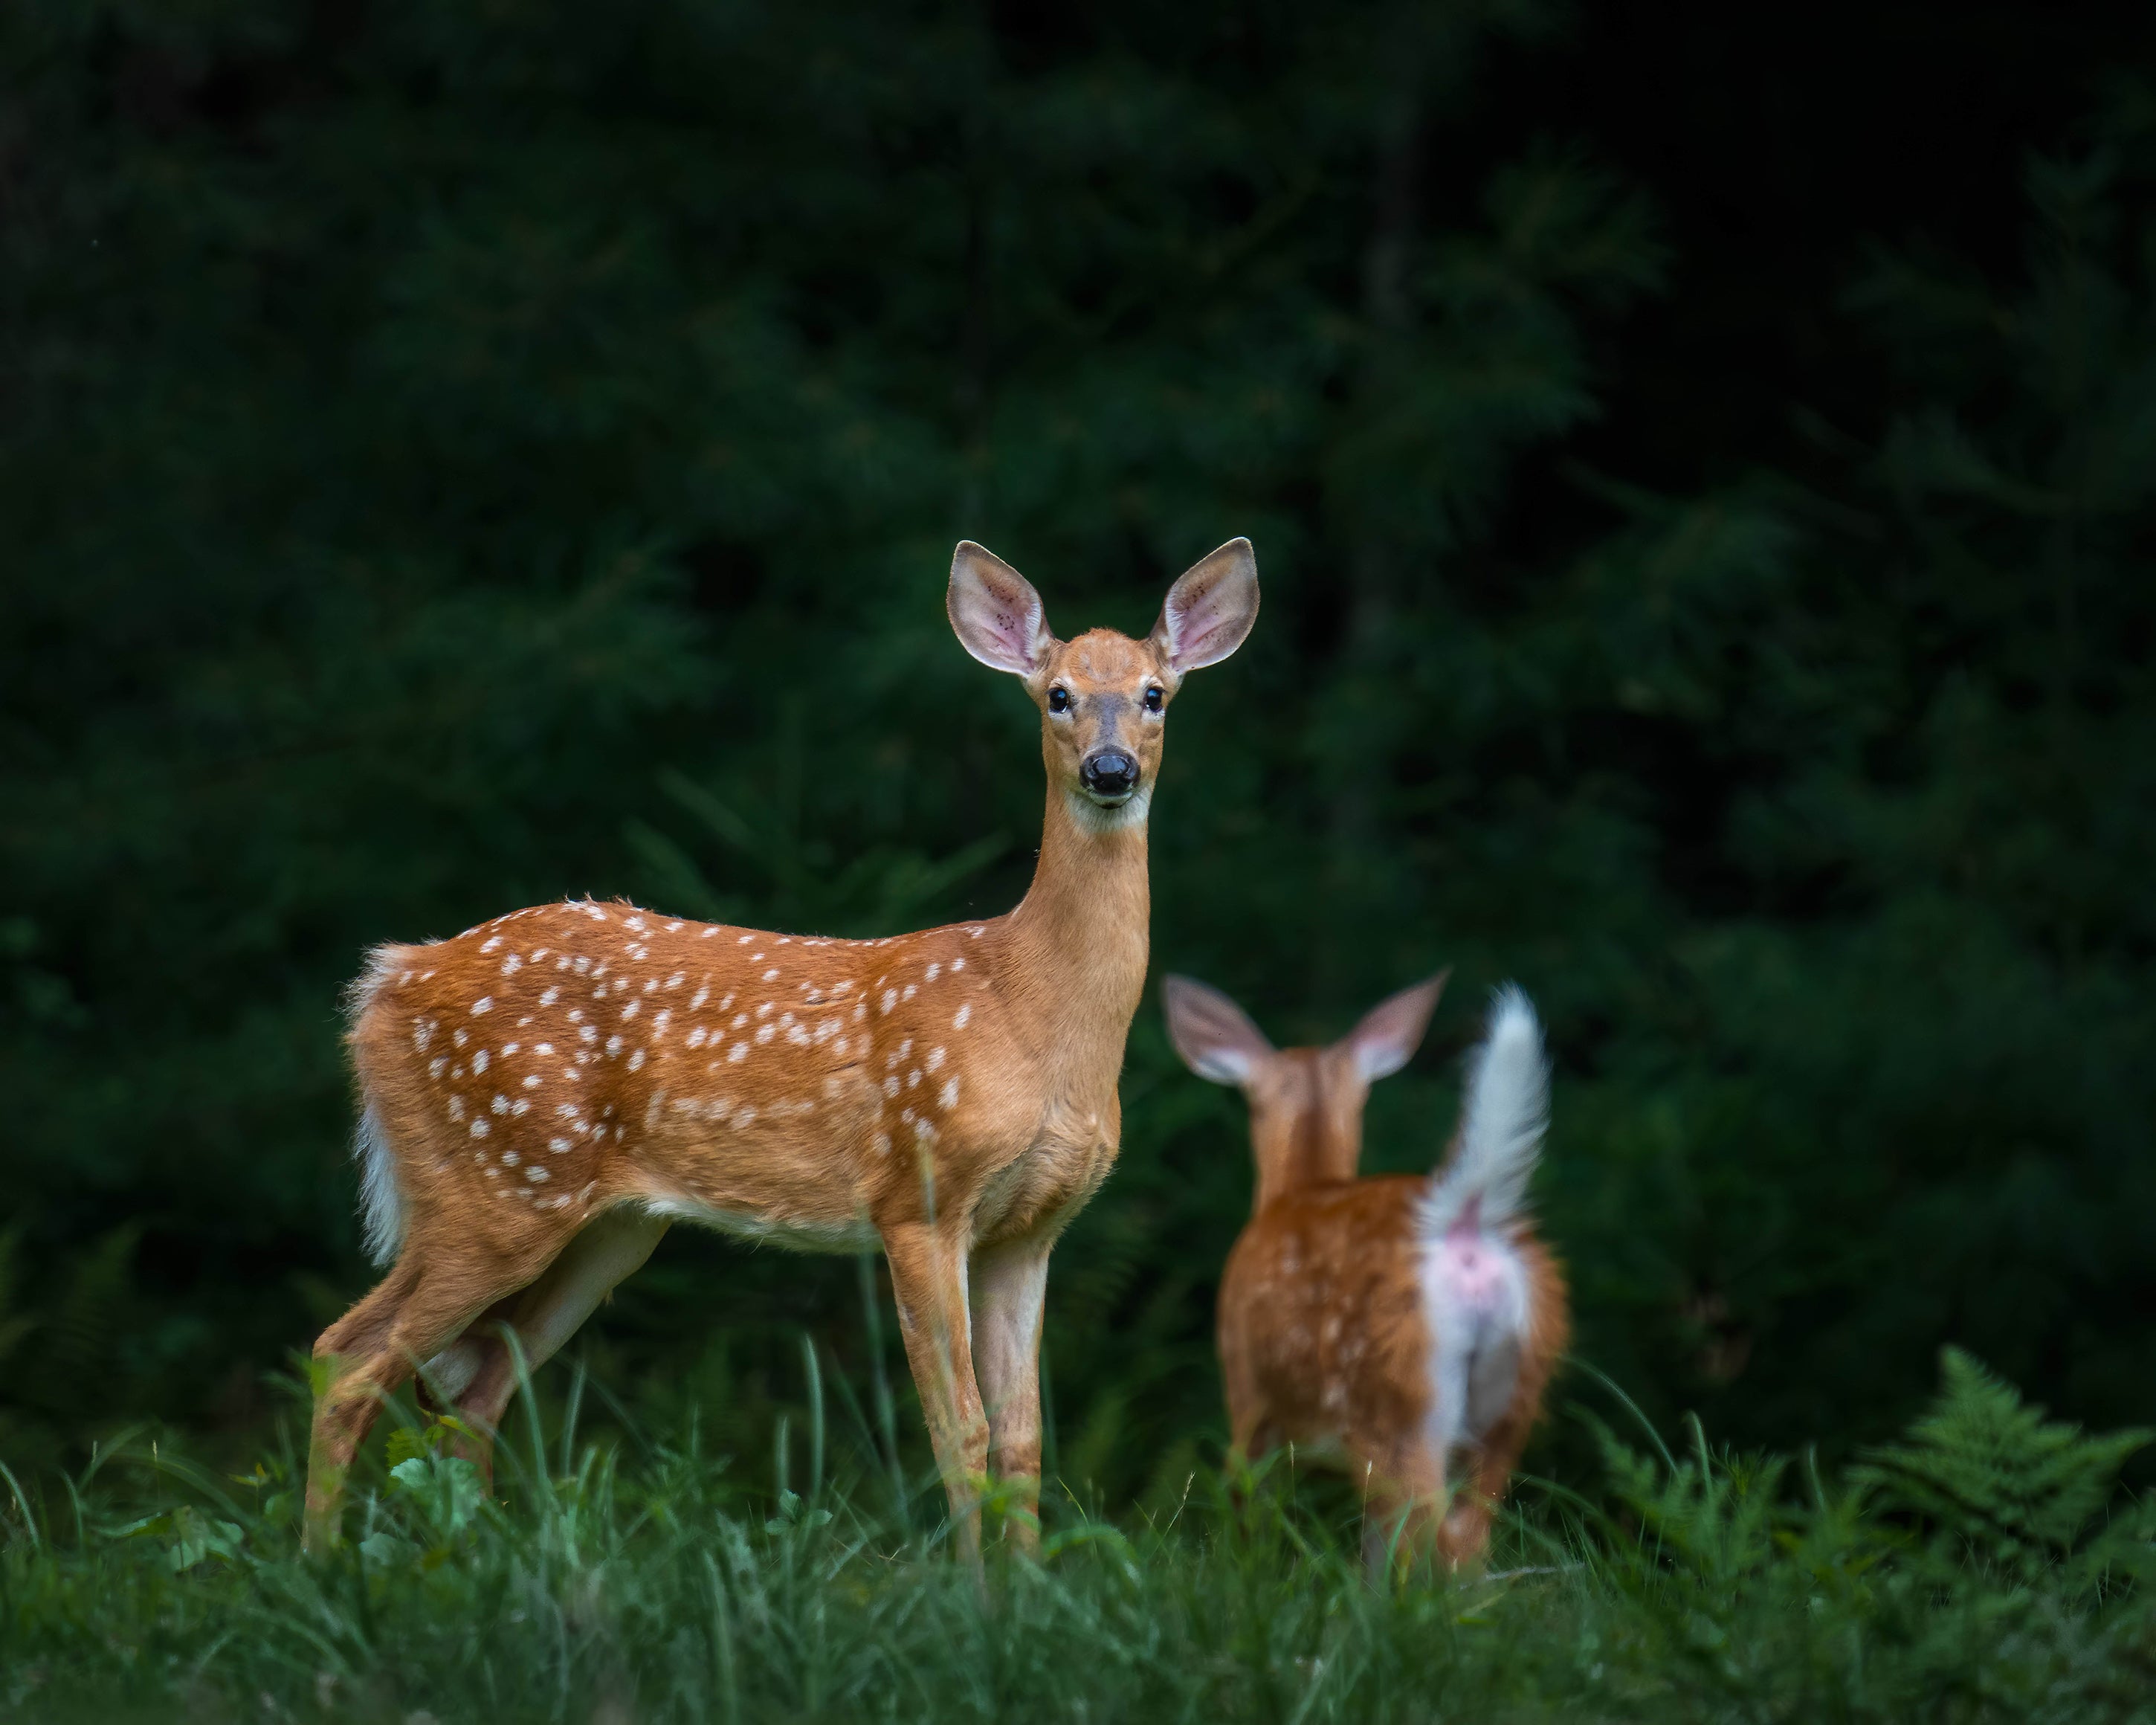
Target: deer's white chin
[1094,814]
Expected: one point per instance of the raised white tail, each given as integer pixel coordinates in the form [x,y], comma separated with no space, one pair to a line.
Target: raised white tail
[1501,1122]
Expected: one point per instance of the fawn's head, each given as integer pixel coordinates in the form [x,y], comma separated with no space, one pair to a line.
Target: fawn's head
[1305,1103]
[1103,698]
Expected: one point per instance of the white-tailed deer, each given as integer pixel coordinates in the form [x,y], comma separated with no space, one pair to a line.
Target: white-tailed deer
[540,1096]
[1409,1321]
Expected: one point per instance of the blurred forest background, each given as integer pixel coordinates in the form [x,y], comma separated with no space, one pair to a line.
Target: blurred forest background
[1702,465]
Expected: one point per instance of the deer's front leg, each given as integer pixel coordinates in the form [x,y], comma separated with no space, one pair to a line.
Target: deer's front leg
[1010,1279]
[928,1282]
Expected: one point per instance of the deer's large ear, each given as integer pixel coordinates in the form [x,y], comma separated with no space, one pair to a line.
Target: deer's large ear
[1209,609]
[1214,1036]
[1392,1030]
[995,612]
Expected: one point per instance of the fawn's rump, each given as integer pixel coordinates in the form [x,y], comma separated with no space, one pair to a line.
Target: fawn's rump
[1343,1327]
[1477,1298]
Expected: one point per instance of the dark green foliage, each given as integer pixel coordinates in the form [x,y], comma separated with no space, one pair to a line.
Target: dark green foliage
[456,455]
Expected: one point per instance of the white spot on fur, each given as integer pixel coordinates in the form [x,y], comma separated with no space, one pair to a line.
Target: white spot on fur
[478,1129]
[479,1061]
[965,1013]
[948,1096]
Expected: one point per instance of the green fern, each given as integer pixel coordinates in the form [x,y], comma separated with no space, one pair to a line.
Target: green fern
[1992,1479]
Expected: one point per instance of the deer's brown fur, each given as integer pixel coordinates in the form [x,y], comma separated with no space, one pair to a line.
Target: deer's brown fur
[1327,1325]
[544,1094]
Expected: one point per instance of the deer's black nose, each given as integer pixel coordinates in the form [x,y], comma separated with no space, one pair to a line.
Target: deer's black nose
[1109,774]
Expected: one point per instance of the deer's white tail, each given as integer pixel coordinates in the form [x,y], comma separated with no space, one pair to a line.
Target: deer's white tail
[381,1204]
[380,1199]
[1501,1121]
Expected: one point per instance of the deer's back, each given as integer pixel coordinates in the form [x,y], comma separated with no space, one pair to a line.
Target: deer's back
[564,1057]
[1322,1327]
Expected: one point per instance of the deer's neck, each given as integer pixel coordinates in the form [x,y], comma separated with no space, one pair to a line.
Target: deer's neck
[1301,1152]
[1307,1129]
[1078,942]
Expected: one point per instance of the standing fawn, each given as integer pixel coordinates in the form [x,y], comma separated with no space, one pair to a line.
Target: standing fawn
[1408,1321]
[540,1096]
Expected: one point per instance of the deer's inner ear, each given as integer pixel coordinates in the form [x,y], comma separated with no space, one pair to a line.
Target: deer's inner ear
[1209,610]
[995,612]
[1214,1036]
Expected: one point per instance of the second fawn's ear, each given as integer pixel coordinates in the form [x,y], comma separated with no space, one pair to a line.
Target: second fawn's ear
[1392,1030]
[995,612]
[1214,1036]
[1209,610]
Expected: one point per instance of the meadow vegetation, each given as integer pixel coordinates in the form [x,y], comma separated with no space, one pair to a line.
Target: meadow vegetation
[1984,1567]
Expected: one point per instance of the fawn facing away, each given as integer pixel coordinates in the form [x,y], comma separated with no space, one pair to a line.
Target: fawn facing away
[1408,1321]
[543,1095]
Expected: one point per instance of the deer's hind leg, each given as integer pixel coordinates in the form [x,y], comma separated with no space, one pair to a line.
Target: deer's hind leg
[1404,1496]
[480,1374]
[427,1299]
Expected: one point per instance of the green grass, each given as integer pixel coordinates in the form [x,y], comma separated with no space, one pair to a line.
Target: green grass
[1986,1568]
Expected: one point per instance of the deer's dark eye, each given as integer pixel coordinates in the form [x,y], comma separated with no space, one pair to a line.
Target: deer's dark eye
[1154,700]
[1059,699]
